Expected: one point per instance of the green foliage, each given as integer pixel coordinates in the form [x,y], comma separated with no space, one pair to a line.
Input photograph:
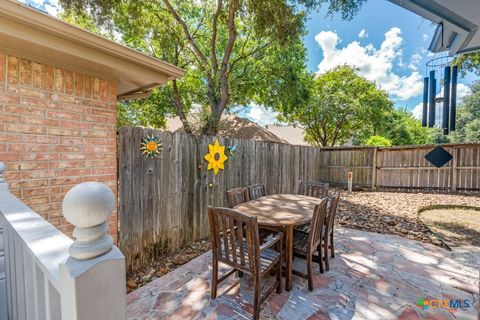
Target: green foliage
[147,112]
[340,105]
[468,117]
[234,51]
[83,20]
[378,141]
[468,62]
[403,129]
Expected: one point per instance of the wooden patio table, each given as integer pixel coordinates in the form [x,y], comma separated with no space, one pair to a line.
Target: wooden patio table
[282,212]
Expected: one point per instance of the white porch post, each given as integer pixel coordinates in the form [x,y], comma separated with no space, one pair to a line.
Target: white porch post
[92,280]
[3,280]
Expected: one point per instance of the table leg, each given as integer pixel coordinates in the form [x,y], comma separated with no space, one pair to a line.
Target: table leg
[288,257]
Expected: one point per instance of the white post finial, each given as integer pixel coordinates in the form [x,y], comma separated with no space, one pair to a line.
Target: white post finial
[87,206]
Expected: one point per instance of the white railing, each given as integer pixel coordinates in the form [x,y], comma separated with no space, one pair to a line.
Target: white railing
[46,275]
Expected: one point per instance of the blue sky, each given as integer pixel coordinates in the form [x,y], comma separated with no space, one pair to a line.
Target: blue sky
[386,42]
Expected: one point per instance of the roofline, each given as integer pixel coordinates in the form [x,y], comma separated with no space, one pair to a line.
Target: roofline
[462,29]
[15,10]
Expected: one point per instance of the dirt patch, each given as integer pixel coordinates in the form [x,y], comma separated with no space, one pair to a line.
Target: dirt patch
[457,226]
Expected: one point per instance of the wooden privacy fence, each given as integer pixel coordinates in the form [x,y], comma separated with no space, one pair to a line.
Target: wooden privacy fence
[163,201]
[402,167]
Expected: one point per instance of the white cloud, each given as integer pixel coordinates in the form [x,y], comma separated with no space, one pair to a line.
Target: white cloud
[462,91]
[52,10]
[261,115]
[417,111]
[52,7]
[414,61]
[363,34]
[376,64]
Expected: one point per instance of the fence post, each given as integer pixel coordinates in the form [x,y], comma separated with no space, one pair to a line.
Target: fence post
[374,169]
[92,280]
[454,169]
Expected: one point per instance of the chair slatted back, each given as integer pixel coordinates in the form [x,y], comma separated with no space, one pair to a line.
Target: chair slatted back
[256,191]
[332,210]
[313,189]
[237,196]
[235,239]
[316,226]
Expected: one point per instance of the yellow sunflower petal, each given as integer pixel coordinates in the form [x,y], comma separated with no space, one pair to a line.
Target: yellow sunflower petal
[211,149]
[208,157]
[220,165]
[215,170]
[223,157]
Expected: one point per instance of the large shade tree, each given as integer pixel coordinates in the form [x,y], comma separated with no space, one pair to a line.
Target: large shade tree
[402,128]
[228,47]
[468,117]
[468,62]
[341,106]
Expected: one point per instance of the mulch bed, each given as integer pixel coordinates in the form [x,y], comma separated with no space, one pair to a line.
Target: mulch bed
[166,264]
[381,212]
[395,212]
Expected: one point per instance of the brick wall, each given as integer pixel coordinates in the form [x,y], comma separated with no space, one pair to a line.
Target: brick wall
[57,129]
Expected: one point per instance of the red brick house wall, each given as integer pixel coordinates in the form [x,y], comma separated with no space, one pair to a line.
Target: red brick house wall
[57,129]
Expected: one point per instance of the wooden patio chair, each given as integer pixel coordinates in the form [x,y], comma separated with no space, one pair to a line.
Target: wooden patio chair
[236,243]
[313,189]
[327,234]
[237,196]
[256,191]
[306,244]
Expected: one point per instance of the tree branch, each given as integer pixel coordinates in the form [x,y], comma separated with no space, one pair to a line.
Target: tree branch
[213,43]
[196,50]
[224,70]
[177,101]
[252,52]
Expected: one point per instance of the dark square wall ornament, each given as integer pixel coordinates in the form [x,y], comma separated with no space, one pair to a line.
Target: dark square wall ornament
[438,157]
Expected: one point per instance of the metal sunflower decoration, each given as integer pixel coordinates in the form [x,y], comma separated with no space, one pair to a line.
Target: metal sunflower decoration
[215,157]
[151,147]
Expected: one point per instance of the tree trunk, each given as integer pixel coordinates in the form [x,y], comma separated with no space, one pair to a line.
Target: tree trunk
[177,101]
[211,127]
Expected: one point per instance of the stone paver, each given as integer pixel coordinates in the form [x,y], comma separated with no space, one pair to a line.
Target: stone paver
[373,276]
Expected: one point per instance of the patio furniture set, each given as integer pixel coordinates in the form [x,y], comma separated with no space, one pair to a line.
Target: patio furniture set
[260,234]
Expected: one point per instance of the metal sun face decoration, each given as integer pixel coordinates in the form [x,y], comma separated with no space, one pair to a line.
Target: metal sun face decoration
[151,147]
[216,157]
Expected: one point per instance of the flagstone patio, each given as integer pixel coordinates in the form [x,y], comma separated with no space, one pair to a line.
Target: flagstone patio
[373,276]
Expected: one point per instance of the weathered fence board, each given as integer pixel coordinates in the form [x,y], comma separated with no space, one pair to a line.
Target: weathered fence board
[402,167]
[163,202]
